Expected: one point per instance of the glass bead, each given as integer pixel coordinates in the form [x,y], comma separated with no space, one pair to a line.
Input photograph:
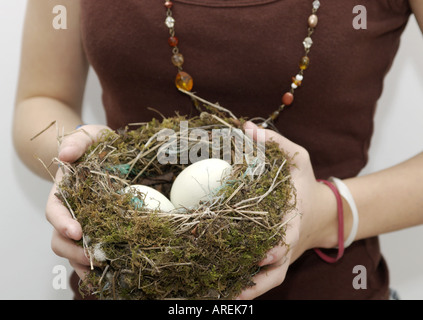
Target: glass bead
[304,62]
[307,43]
[316,4]
[296,81]
[177,60]
[170,22]
[173,41]
[288,98]
[184,81]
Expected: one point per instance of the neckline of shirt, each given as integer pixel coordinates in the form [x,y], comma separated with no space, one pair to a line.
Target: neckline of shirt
[225,3]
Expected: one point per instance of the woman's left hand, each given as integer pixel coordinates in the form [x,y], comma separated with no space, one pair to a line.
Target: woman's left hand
[304,231]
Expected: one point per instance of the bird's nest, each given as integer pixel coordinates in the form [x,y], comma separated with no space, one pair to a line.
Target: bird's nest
[207,252]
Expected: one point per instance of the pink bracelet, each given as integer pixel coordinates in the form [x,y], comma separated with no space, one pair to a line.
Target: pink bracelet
[340,227]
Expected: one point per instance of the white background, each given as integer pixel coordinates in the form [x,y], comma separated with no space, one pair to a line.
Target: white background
[26,260]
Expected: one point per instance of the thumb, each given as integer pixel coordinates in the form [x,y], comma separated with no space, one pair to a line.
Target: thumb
[256,133]
[76,143]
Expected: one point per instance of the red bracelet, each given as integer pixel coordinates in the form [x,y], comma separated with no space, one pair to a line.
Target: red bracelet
[340,227]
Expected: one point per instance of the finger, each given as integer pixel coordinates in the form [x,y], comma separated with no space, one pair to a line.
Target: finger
[253,131]
[66,248]
[292,235]
[81,270]
[75,144]
[300,155]
[275,254]
[265,280]
[278,252]
[60,217]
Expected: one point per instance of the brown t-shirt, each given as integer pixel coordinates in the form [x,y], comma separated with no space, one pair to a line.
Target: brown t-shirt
[242,54]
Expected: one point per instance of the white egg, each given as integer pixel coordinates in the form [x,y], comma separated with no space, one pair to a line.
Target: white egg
[153,199]
[198,182]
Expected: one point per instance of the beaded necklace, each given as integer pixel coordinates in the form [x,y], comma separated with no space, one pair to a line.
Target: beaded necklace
[185,82]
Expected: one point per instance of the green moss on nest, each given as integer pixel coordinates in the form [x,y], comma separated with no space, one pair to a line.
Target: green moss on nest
[208,253]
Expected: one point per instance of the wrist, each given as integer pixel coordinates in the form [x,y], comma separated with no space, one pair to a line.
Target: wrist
[327,212]
[340,212]
[327,225]
[322,228]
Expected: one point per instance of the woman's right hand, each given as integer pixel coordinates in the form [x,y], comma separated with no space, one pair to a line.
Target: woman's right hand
[66,229]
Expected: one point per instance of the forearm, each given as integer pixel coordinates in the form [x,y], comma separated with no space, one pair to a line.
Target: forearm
[31,117]
[389,200]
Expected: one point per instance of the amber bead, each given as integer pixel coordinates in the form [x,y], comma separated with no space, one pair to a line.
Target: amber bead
[177,60]
[184,81]
[304,63]
[288,98]
[173,41]
[168,4]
